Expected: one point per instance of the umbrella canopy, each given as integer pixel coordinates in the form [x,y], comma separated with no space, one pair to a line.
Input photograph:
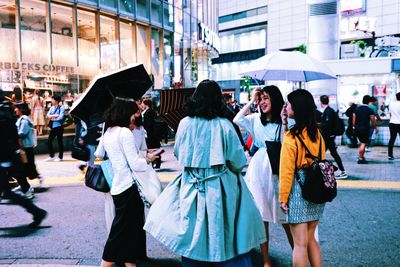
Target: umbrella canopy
[131,81]
[288,66]
[171,105]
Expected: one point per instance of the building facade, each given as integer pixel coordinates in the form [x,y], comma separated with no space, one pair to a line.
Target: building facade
[358,39]
[61,45]
[243,38]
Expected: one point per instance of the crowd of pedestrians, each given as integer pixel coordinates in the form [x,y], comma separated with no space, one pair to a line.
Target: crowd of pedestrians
[210,214]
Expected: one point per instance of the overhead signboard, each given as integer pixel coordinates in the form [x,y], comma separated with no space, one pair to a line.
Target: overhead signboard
[352,6]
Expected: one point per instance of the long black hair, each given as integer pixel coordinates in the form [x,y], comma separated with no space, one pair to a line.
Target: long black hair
[120,112]
[277,103]
[304,108]
[206,102]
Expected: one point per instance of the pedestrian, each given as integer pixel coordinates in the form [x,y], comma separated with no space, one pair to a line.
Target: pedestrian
[394,124]
[8,152]
[303,216]
[327,126]
[27,136]
[235,106]
[126,241]
[374,106]
[349,130]
[37,111]
[207,214]
[361,126]
[17,96]
[260,177]
[56,117]
[149,124]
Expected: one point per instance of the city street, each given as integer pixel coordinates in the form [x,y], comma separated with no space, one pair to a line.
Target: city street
[359,228]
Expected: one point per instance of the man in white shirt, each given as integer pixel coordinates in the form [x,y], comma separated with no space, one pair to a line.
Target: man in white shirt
[394,124]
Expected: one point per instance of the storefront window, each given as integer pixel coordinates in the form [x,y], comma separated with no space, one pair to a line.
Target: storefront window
[127,7]
[142,10]
[34,36]
[128,46]
[88,50]
[8,35]
[109,4]
[142,47]
[156,12]
[156,59]
[168,13]
[178,14]
[178,61]
[168,59]
[109,45]
[63,45]
[90,2]
[10,75]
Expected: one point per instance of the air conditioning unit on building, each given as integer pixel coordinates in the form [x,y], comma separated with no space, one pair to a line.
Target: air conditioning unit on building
[388,41]
[349,51]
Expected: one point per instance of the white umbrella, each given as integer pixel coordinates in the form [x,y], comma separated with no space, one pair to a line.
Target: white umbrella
[288,66]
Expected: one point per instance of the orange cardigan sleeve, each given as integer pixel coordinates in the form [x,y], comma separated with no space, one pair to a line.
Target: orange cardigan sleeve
[287,166]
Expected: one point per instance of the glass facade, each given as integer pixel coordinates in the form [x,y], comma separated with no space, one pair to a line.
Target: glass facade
[61,45]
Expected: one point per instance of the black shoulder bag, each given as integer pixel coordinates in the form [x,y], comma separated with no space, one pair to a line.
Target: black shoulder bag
[274,150]
[319,185]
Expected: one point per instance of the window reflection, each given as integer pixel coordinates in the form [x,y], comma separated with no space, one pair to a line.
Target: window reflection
[63,48]
[142,9]
[8,35]
[142,47]
[33,31]
[87,43]
[108,44]
[156,60]
[128,47]
[156,12]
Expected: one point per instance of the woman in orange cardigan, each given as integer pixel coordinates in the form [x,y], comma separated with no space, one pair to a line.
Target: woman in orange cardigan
[303,216]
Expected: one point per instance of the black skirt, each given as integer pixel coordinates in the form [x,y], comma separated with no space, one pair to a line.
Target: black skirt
[127,239]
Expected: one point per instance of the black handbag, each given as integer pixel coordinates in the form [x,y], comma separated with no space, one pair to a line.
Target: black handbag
[80,153]
[274,150]
[95,179]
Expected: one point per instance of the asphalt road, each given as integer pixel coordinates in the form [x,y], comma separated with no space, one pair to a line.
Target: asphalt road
[360,228]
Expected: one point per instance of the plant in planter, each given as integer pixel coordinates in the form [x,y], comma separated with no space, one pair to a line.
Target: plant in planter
[361,45]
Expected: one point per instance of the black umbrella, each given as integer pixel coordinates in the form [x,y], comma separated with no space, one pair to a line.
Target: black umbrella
[129,82]
[171,105]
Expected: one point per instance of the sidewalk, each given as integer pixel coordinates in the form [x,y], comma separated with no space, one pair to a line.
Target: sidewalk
[380,173]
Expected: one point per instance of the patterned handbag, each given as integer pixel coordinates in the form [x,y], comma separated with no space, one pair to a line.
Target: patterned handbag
[320,183]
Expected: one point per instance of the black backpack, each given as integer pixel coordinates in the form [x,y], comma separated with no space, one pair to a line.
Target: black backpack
[339,125]
[319,185]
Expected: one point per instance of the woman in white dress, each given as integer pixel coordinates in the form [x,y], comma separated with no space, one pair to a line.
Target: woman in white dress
[262,178]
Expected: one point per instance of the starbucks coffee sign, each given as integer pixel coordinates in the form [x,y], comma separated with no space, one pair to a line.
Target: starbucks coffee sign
[24,66]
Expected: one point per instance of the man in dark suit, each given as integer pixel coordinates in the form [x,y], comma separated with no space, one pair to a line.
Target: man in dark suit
[328,124]
[149,124]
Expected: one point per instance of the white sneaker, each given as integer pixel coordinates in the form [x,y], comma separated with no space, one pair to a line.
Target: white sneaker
[29,194]
[58,160]
[342,175]
[49,159]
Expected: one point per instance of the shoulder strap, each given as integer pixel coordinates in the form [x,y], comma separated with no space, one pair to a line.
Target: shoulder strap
[309,154]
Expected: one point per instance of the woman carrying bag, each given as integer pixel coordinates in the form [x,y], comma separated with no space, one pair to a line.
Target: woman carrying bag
[126,242]
[303,216]
[261,176]
[207,213]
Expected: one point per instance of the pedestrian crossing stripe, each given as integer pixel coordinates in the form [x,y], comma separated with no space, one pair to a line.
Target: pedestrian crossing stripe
[167,177]
[80,179]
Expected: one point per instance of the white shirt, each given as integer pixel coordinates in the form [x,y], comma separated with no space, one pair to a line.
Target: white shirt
[123,153]
[394,109]
[139,133]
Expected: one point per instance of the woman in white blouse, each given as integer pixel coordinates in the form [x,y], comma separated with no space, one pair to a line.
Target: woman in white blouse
[126,242]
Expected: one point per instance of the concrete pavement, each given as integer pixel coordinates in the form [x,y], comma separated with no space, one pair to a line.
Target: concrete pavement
[359,228]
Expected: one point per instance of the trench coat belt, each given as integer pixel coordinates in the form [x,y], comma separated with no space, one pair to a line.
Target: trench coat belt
[199,181]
